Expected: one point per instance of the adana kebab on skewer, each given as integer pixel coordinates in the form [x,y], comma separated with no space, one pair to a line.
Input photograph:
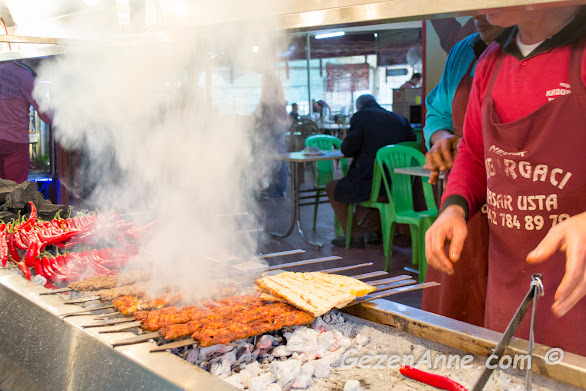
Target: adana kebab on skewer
[96,283]
[128,305]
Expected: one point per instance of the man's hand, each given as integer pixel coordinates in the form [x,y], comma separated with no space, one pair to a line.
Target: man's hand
[442,153]
[568,236]
[450,225]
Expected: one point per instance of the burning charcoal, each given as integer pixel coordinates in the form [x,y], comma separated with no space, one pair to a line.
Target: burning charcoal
[324,342]
[307,367]
[341,341]
[352,385]
[205,365]
[362,340]
[244,359]
[303,340]
[281,351]
[244,378]
[215,349]
[321,369]
[286,372]
[261,383]
[320,325]
[274,387]
[278,340]
[329,317]
[235,381]
[221,368]
[265,342]
[230,357]
[253,369]
[303,380]
[334,358]
[242,348]
[192,355]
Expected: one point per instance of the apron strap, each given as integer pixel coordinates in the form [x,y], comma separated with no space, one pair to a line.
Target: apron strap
[469,71]
[576,82]
[495,73]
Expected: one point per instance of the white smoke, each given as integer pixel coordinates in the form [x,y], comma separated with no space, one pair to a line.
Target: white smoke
[138,100]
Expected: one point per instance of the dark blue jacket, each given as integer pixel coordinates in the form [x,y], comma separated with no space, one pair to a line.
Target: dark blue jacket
[371,128]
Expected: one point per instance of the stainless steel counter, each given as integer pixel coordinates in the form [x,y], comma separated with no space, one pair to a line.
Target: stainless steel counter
[40,351]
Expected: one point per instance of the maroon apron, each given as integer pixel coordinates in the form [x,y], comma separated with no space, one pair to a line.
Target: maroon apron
[536,178]
[462,295]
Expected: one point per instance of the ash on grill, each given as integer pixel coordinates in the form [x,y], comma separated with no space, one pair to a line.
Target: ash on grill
[310,358]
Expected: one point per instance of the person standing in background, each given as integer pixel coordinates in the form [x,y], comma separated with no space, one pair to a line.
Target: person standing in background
[323,109]
[16,87]
[523,138]
[414,82]
[371,128]
[272,123]
[446,107]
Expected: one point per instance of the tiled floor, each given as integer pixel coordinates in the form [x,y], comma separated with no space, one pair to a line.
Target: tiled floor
[276,217]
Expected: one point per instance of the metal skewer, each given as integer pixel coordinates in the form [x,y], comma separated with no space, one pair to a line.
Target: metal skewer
[394,291]
[300,263]
[172,345]
[84,311]
[340,269]
[369,275]
[388,280]
[280,254]
[111,323]
[137,339]
[55,291]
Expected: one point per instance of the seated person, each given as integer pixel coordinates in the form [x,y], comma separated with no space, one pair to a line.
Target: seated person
[371,128]
[294,114]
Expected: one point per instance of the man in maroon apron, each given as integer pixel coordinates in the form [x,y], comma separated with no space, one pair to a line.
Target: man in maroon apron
[522,154]
[471,271]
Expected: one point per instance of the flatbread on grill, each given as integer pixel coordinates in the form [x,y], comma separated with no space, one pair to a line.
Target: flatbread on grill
[314,292]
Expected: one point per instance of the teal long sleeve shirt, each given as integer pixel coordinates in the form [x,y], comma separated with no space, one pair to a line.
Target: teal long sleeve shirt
[439,101]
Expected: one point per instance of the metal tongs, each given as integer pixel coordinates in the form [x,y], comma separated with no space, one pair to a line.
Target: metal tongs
[535,291]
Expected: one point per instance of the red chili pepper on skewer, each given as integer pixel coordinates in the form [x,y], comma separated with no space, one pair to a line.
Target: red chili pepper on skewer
[50,273]
[32,218]
[434,380]
[3,249]
[12,248]
[31,254]
[39,268]
[25,270]
[18,241]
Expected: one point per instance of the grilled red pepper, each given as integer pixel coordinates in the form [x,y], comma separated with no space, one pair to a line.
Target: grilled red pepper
[39,268]
[31,254]
[25,270]
[434,380]
[18,241]
[50,273]
[32,218]
[3,249]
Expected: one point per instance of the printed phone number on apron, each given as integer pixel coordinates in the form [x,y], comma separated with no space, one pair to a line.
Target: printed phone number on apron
[498,209]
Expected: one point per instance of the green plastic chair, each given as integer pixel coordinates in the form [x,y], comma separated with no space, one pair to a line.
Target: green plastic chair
[412,144]
[323,172]
[399,208]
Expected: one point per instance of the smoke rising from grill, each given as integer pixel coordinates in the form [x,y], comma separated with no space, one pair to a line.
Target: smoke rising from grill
[153,126]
